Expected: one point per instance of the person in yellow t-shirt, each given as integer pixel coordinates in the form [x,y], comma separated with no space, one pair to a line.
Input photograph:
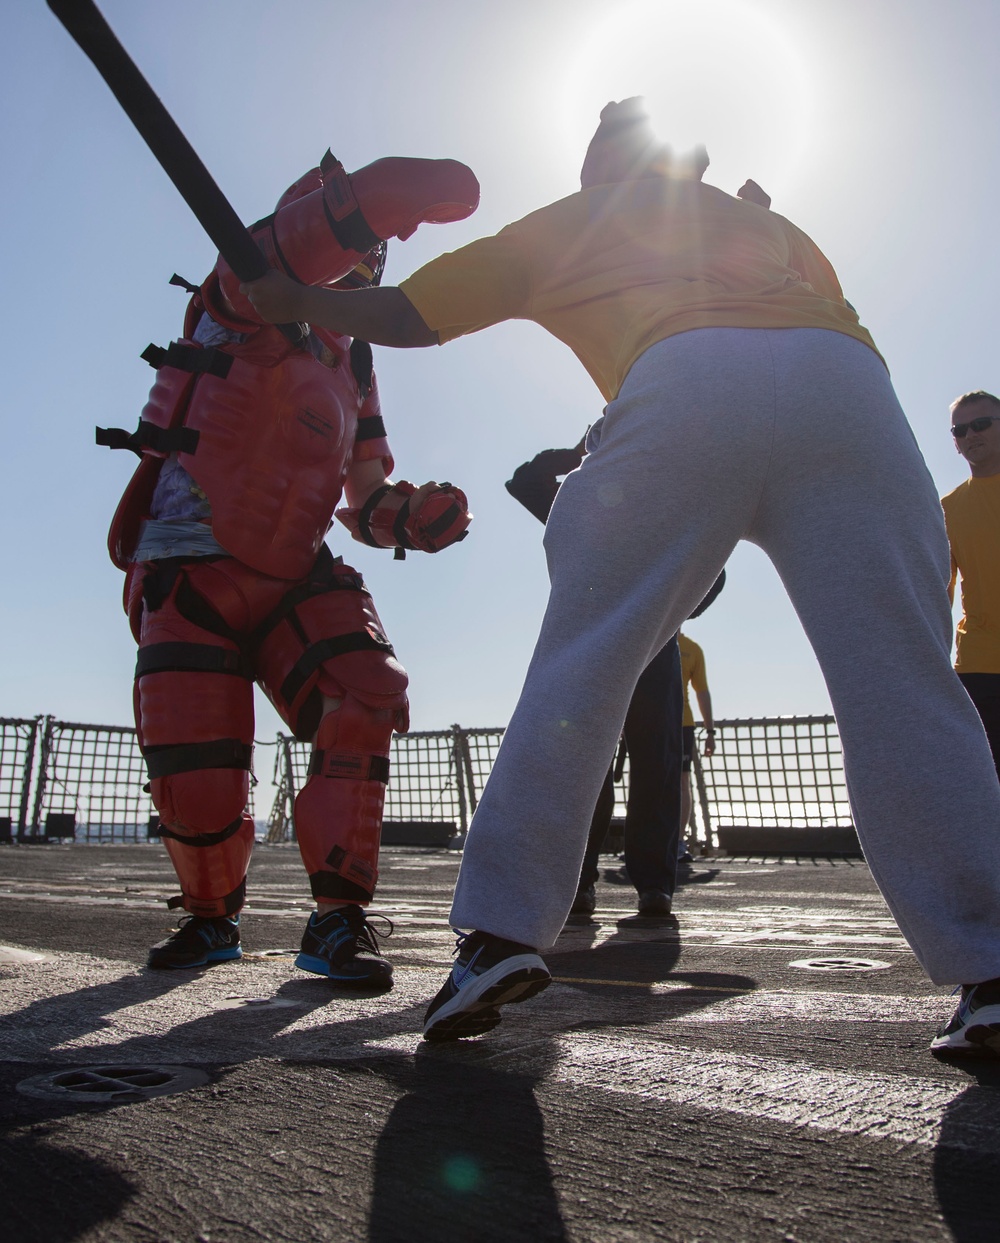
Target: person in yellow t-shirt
[694,677]
[972,519]
[744,402]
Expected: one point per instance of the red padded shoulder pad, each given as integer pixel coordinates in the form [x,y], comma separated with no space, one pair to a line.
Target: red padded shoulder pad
[398,515]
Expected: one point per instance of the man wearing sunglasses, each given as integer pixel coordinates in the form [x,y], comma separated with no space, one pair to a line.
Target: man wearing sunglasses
[972,517]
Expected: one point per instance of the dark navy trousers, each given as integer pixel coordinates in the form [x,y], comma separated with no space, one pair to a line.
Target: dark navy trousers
[653,817]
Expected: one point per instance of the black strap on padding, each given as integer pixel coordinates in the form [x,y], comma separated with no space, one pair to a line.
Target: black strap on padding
[351,230]
[444,521]
[298,595]
[158,582]
[231,903]
[377,768]
[184,284]
[267,222]
[327,649]
[149,436]
[198,359]
[365,515]
[363,366]
[204,839]
[371,427]
[187,757]
[190,658]
[399,525]
[195,608]
[339,888]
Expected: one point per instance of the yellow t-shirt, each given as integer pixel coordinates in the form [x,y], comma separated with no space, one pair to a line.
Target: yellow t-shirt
[972,516]
[613,269]
[692,671]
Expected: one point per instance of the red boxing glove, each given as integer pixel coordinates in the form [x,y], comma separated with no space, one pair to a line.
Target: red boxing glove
[400,516]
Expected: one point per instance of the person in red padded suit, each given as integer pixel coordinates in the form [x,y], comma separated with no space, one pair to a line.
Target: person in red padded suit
[250,438]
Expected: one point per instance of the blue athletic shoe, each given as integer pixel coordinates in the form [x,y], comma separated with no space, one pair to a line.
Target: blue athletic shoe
[343,947]
[974,1029]
[198,942]
[489,972]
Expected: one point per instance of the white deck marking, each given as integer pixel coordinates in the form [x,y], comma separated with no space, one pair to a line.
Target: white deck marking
[73,1007]
[903,1109]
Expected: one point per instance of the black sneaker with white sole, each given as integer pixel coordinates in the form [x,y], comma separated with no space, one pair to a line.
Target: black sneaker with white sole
[489,972]
[974,1029]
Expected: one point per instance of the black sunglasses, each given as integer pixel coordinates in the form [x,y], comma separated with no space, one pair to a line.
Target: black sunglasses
[976,425]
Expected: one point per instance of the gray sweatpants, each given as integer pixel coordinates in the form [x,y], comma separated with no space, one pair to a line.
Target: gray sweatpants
[792,439]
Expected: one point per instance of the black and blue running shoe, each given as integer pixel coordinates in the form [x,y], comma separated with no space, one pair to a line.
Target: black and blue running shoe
[489,972]
[197,942]
[343,946]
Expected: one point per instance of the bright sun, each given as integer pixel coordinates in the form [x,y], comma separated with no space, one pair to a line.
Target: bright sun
[718,72]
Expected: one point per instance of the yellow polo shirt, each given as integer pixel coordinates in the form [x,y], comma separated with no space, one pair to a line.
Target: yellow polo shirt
[692,671]
[615,268]
[972,517]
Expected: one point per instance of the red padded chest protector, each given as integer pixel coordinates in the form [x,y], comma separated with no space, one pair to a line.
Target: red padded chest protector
[275,442]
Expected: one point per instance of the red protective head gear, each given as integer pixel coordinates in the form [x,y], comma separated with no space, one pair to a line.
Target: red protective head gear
[328,222]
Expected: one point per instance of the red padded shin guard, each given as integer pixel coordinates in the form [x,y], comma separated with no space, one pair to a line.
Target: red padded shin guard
[338,814]
[213,875]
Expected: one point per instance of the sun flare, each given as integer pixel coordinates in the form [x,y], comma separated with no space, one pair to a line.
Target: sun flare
[718,72]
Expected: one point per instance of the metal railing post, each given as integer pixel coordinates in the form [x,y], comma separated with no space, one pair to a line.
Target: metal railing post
[29,763]
[458,761]
[283,811]
[43,774]
[699,780]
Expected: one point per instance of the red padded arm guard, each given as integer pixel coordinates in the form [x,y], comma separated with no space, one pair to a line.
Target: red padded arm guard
[327,222]
[389,520]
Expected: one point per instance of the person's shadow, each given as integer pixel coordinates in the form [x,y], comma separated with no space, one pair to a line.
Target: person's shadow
[623,973]
[462,1156]
[967,1155]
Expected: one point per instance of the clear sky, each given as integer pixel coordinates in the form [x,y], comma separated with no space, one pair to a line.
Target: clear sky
[873,124]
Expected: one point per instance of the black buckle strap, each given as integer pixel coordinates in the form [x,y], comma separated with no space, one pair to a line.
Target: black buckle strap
[191,658]
[150,436]
[199,360]
[327,649]
[187,757]
[350,766]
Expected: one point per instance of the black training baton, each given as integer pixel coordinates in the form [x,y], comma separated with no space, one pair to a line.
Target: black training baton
[176,156]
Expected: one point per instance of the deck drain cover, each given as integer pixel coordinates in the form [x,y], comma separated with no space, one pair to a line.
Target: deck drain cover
[839,964]
[112,1085]
[259,1003]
